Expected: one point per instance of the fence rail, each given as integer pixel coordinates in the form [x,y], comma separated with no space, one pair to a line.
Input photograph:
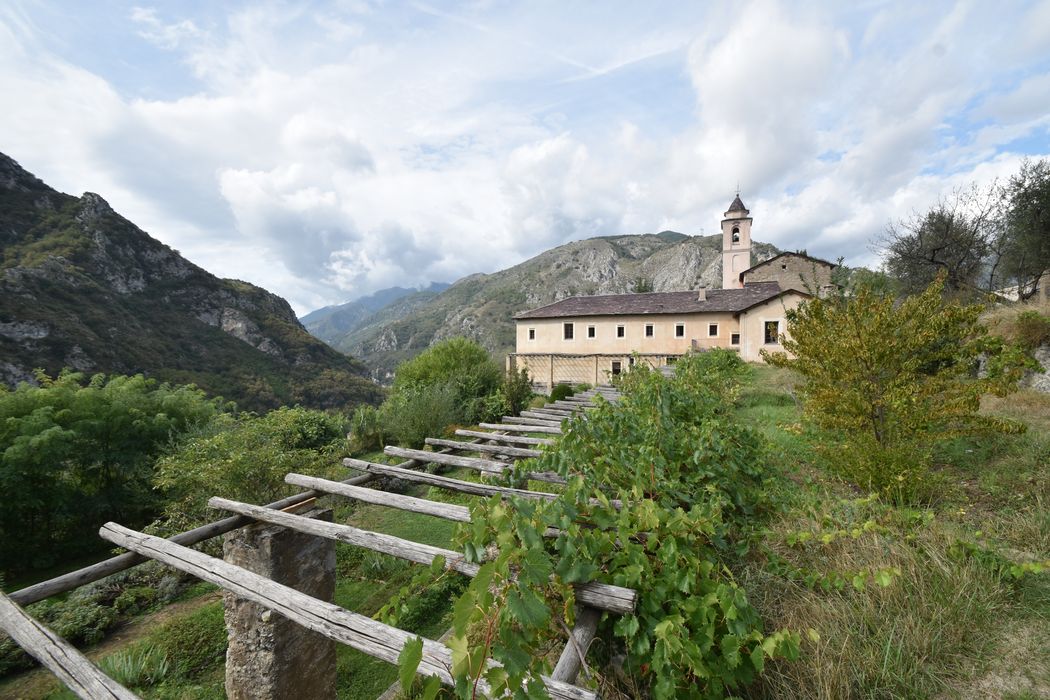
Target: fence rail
[549,369]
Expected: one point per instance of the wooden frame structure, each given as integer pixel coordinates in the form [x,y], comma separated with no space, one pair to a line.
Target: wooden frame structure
[333,622]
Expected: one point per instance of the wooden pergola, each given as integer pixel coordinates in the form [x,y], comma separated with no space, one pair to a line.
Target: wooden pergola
[501,444]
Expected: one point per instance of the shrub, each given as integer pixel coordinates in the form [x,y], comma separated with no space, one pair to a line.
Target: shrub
[195,642]
[135,600]
[366,429]
[892,380]
[1032,329]
[412,415]
[560,391]
[517,389]
[245,458]
[458,362]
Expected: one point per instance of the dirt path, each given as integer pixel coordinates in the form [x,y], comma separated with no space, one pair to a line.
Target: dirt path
[39,682]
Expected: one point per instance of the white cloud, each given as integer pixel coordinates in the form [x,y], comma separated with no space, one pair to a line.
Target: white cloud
[327,152]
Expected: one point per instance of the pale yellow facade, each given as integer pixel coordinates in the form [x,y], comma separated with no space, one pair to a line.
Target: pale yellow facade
[599,348]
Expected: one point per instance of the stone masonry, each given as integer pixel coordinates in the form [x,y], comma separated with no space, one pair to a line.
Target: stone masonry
[270,657]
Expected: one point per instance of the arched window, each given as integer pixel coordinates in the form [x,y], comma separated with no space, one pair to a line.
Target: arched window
[736,234]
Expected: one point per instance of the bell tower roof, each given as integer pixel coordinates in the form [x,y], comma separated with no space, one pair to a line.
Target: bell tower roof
[737,206]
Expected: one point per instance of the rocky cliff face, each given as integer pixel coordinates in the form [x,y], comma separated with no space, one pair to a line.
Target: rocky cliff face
[82,287]
[481,306]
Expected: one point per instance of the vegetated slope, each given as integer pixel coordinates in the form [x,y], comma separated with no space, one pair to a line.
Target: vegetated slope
[85,288]
[481,307]
[333,323]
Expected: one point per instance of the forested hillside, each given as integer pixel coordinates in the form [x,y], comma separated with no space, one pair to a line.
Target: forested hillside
[82,287]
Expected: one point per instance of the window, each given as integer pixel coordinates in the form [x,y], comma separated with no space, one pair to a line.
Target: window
[649,332]
[592,332]
[616,367]
[734,339]
[630,361]
[712,329]
[679,330]
[671,359]
[736,234]
[621,331]
[772,332]
[567,330]
[532,334]
[783,266]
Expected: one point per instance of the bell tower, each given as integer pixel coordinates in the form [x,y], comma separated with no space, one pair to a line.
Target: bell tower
[736,244]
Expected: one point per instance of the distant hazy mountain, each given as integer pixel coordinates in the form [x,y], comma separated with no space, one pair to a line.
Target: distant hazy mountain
[482,306]
[83,287]
[332,323]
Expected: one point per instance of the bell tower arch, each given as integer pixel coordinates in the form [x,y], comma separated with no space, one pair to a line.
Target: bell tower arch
[736,244]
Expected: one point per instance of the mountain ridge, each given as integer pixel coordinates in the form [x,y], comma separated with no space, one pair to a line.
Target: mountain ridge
[82,287]
[481,306]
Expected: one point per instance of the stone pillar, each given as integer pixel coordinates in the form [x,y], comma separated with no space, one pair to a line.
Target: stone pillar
[270,657]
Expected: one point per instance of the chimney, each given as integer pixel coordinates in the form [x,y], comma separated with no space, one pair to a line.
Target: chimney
[702,294]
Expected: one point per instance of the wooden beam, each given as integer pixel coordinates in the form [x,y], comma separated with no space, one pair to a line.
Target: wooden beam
[580,639]
[453,484]
[503,450]
[550,430]
[59,656]
[448,511]
[509,439]
[553,412]
[444,481]
[487,466]
[599,595]
[526,420]
[362,633]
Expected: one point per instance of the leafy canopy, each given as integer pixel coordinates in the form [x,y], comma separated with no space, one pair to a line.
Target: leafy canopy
[75,454]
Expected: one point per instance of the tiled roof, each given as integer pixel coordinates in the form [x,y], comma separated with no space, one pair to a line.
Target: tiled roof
[718,301]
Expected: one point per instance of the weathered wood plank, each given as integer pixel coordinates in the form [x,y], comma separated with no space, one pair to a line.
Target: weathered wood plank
[516,452]
[487,466]
[444,481]
[522,428]
[554,412]
[448,511]
[509,439]
[526,420]
[599,595]
[362,633]
[572,406]
[544,414]
[454,484]
[59,656]
[568,666]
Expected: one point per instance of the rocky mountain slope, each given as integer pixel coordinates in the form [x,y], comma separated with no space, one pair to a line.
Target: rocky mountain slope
[333,323]
[82,287]
[482,306]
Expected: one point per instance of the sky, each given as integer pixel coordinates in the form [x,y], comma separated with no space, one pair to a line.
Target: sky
[325,150]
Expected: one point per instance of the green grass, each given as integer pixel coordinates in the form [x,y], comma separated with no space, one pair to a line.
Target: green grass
[947,624]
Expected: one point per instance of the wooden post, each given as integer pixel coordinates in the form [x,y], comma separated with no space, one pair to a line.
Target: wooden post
[550,387]
[595,370]
[269,656]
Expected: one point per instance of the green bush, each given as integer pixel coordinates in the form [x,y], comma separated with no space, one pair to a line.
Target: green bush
[366,429]
[411,415]
[517,389]
[1032,329]
[458,362]
[195,642]
[135,600]
[560,391]
[245,458]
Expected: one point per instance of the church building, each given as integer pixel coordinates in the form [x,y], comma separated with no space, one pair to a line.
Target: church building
[589,338]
